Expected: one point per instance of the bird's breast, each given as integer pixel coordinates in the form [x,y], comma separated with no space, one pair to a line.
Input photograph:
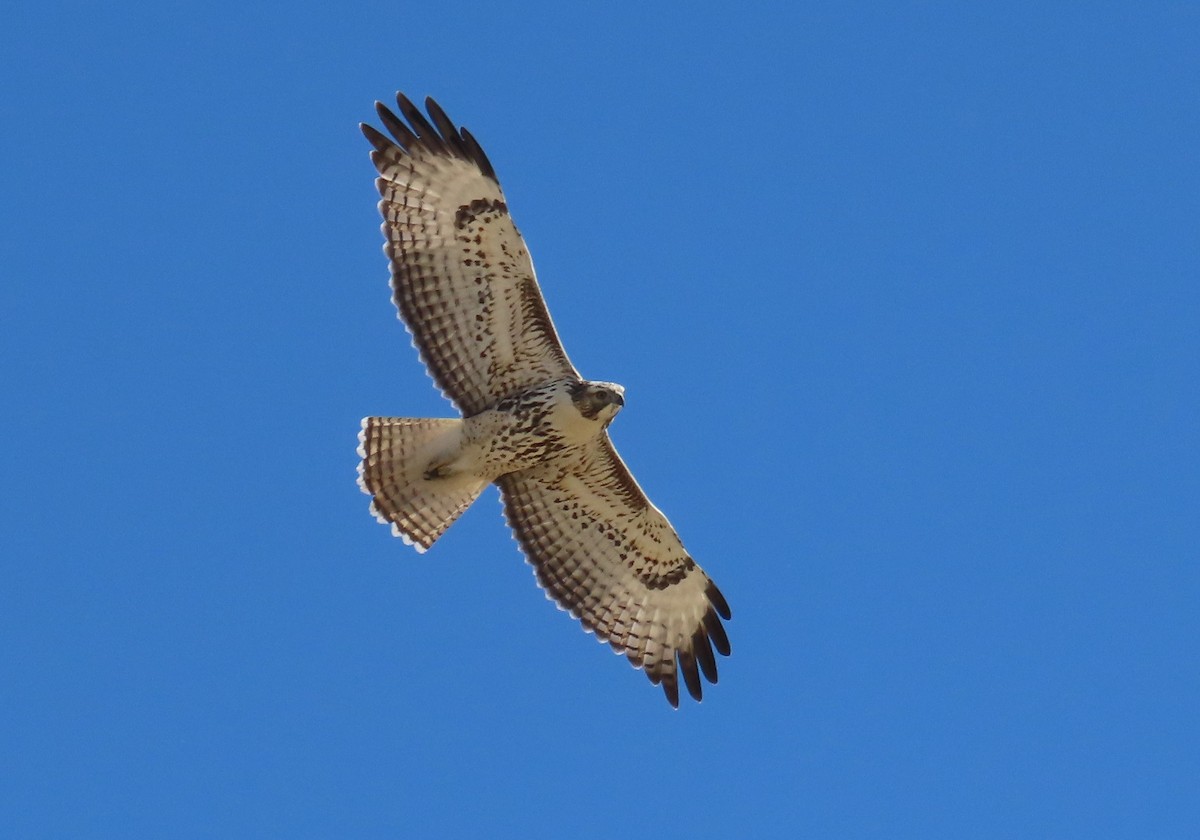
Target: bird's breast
[524,431]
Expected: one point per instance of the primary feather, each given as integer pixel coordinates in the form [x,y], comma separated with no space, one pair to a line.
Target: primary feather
[464,284]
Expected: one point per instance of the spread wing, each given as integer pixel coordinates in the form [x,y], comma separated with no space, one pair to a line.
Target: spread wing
[461,275]
[610,557]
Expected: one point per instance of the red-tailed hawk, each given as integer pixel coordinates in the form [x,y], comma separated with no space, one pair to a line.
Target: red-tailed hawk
[464,284]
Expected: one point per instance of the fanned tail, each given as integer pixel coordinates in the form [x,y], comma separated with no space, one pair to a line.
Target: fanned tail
[396,452]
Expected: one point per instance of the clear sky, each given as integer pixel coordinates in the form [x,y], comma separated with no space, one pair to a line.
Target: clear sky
[906,300]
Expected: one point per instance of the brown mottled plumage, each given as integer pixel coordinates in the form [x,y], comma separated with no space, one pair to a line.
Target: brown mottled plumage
[464,285]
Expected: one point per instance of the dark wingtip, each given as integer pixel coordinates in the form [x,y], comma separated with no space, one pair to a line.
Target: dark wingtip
[718,600]
[702,650]
[716,632]
[375,138]
[691,676]
[404,103]
[478,155]
[421,127]
[670,688]
[440,136]
[444,124]
[395,126]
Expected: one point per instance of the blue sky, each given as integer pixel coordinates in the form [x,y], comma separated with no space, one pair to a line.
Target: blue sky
[905,299]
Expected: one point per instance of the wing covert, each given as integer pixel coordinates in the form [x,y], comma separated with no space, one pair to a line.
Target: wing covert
[607,555]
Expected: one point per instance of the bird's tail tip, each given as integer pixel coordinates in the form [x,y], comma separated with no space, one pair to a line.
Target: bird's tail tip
[395,453]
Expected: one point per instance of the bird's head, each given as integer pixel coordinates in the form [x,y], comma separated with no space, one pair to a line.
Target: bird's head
[598,400]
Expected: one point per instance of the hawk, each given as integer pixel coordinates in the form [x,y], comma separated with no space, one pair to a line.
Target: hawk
[464,285]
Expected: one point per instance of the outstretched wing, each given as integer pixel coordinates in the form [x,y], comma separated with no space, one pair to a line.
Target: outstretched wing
[461,276]
[610,557]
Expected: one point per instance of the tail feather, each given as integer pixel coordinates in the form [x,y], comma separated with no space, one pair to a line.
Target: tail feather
[395,452]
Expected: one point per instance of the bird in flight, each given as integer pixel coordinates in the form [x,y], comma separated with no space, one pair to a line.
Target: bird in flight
[463,283]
